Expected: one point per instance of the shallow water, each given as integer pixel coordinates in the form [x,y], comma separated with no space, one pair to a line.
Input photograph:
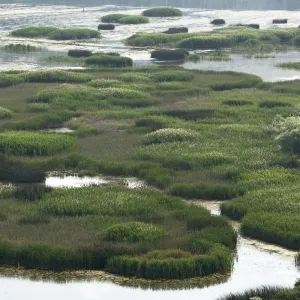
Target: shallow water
[15,16]
[74,181]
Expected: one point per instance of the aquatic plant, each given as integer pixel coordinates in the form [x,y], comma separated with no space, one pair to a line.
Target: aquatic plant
[79,53]
[21,48]
[280,21]
[73,34]
[162,12]
[108,61]
[166,54]
[106,27]
[124,19]
[34,144]
[33,31]
[175,30]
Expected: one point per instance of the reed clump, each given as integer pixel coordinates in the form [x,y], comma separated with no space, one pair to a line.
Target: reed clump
[108,61]
[166,54]
[106,27]
[125,19]
[79,53]
[34,144]
[5,113]
[162,12]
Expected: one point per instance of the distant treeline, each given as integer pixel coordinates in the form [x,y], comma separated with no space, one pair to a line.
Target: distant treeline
[209,4]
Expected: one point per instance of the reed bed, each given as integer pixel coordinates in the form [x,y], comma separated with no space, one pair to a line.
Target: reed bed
[34,144]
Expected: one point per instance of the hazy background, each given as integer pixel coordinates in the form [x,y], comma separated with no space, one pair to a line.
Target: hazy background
[209,4]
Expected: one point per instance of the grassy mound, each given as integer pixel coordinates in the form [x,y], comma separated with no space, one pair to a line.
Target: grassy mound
[79,53]
[5,113]
[165,54]
[168,135]
[174,30]
[205,43]
[106,27]
[73,34]
[108,61]
[162,12]
[34,144]
[124,19]
[33,32]
[218,22]
[273,228]
[56,33]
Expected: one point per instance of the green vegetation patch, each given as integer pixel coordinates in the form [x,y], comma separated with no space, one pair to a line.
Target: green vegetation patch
[108,61]
[56,33]
[162,12]
[5,113]
[33,32]
[218,22]
[125,19]
[168,135]
[291,65]
[34,144]
[165,54]
[165,76]
[134,232]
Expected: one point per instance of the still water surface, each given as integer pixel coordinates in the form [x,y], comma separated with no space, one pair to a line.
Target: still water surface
[16,16]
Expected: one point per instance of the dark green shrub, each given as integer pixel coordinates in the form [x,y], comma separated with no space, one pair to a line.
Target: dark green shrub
[106,27]
[205,191]
[166,54]
[16,170]
[174,30]
[109,61]
[290,142]
[31,192]
[280,21]
[162,12]
[218,22]
[73,34]
[271,104]
[79,53]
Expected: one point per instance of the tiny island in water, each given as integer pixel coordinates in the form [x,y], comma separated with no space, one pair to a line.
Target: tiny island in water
[150,154]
